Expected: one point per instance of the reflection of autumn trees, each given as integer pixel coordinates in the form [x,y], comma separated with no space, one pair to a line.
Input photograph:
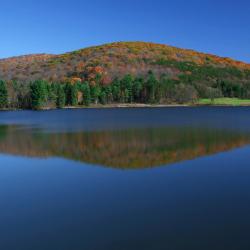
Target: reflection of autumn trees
[131,148]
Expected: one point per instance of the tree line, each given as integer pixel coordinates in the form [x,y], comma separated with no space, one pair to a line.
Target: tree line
[128,89]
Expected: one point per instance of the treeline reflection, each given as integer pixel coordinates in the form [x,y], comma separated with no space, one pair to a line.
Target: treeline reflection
[130,148]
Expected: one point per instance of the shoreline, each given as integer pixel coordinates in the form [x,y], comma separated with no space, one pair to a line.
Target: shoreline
[133,105]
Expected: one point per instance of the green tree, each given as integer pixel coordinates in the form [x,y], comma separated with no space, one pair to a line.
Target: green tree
[86,94]
[126,88]
[103,97]
[116,90]
[151,86]
[3,95]
[168,88]
[137,89]
[74,91]
[95,91]
[38,94]
[60,99]
[52,93]
[71,94]
[108,91]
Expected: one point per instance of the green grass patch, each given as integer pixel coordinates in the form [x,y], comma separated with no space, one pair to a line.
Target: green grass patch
[225,101]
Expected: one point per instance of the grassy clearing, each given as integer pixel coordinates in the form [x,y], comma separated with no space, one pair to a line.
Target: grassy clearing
[225,101]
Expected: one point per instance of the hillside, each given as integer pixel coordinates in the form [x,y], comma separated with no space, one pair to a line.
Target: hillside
[135,71]
[113,60]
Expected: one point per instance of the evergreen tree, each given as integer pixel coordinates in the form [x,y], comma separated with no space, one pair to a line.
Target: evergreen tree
[103,97]
[52,93]
[3,95]
[137,89]
[95,91]
[86,94]
[74,92]
[37,94]
[126,87]
[109,96]
[71,94]
[151,87]
[116,90]
[67,91]
[60,99]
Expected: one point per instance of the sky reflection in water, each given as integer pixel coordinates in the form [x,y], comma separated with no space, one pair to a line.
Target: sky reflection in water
[67,188]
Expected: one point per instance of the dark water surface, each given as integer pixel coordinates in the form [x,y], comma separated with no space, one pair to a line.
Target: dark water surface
[125,179]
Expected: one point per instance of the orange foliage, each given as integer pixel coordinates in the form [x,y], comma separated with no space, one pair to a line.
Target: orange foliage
[108,61]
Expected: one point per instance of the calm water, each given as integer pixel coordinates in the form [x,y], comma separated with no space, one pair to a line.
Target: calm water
[125,179]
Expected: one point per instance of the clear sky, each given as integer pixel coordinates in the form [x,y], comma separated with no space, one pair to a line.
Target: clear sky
[54,26]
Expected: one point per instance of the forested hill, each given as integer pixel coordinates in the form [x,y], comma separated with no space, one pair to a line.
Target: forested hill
[121,72]
[114,60]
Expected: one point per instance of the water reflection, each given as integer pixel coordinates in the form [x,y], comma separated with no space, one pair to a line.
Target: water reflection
[126,148]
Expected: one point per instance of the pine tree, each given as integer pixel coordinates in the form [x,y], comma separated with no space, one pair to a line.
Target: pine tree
[126,86]
[137,89]
[52,93]
[3,95]
[71,94]
[116,90]
[151,87]
[103,96]
[67,91]
[95,91]
[74,91]
[38,94]
[60,100]
[86,94]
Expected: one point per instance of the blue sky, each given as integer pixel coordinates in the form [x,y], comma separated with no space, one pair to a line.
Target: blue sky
[220,27]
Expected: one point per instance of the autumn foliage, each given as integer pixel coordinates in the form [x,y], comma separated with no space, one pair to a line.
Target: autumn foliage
[122,72]
[110,61]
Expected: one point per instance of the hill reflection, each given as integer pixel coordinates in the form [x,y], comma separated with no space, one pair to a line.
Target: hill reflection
[130,148]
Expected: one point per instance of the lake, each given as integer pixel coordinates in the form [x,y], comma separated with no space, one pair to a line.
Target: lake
[125,179]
